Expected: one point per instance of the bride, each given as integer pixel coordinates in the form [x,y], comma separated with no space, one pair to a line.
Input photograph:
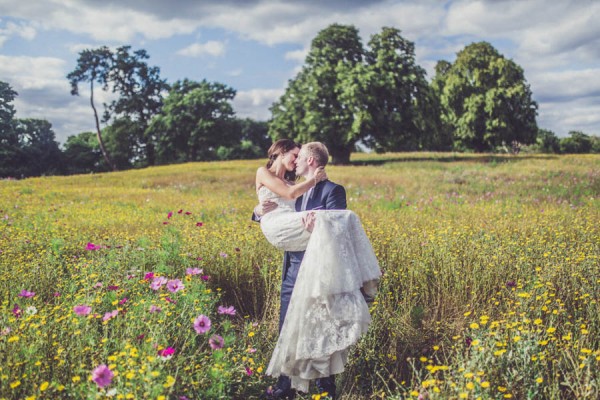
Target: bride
[327,312]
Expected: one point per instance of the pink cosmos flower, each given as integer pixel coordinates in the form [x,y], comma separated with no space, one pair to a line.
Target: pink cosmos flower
[154,309]
[82,309]
[166,353]
[175,285]
[16,311]
[226,310]
[123,301]
[56,294]
[102,375]
[248,371]
[216,342]
[98,285]
[26,293]
[110,314]
[92,246]
[149,276]
[202,324]
[193,271]
[170,214]
[158,282]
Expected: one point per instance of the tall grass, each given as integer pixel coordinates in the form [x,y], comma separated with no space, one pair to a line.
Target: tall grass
[490,286]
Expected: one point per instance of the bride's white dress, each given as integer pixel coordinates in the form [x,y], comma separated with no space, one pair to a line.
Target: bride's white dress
[327,312]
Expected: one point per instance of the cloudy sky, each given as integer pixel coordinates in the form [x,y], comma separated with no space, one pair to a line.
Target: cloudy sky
[256,46]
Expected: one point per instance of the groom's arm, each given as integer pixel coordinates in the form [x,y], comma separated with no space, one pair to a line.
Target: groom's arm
[336,200]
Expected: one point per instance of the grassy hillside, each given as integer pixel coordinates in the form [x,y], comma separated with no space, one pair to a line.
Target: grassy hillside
[490,288]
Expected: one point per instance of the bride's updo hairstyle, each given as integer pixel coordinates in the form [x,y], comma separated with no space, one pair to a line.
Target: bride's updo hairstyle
[280,147]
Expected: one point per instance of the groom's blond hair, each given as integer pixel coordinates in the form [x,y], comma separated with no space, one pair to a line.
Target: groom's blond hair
[318,151]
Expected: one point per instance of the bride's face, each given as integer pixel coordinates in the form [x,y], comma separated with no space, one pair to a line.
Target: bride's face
[289,159]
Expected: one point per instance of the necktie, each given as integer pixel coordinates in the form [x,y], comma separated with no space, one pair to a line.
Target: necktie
[305,198]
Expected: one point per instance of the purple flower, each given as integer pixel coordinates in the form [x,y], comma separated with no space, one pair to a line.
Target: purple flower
[510,284]
[82,309]
[224,255]
[92,247]
[216,342]
[205,277]
[17,312]
[110,314]
[170,214]
[202,324]
[158,282]
[175,285]
[26,293]
[149,276]
[166,353]
[226,310]
[123,301]
[102,375]
[154,309]
[193,271]
[112,287]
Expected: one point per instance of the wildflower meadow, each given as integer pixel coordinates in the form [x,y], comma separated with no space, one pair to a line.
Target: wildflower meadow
[155,283]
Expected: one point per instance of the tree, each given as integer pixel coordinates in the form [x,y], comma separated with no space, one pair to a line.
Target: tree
[194,121]
[577,143]
[40,153]
[82,154]
[547,141]
[253,140]
[140,90]
[316,104]
[399,101]
[93,66]
[9,141]
[486,99]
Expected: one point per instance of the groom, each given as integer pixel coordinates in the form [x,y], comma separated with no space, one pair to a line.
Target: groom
[326,195]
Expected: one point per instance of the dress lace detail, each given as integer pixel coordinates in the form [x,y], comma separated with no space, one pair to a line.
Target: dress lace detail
[327,312]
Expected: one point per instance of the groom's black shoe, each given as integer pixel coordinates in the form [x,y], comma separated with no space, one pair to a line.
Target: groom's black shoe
[281,390]
[327,385]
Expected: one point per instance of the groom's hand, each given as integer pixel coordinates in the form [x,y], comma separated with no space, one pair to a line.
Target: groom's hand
[264,207]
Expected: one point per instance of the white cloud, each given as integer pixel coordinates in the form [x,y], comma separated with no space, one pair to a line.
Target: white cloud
[210,48]
[296,55]
[255,103]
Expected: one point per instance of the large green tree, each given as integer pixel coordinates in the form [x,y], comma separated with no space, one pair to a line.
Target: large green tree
[195,120]
[139,90]
[399,101]
[39,151]
[316,104]
[93,66]
[486,99]
[9,141]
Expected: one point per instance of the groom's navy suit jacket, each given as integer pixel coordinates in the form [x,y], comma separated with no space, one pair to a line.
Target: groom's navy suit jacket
[326,195]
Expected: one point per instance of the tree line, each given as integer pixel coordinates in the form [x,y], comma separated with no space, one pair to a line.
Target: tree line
[346,94]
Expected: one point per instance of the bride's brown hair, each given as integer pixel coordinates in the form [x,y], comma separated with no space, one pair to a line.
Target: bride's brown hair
[280,147]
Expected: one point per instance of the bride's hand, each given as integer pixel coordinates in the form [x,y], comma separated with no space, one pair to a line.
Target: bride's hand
[320,175]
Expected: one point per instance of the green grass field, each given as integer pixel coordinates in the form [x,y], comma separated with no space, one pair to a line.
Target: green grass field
[490,289]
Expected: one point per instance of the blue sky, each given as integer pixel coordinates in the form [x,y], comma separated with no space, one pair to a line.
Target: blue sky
[256,46]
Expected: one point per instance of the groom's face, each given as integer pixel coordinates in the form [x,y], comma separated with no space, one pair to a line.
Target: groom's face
[302,167]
